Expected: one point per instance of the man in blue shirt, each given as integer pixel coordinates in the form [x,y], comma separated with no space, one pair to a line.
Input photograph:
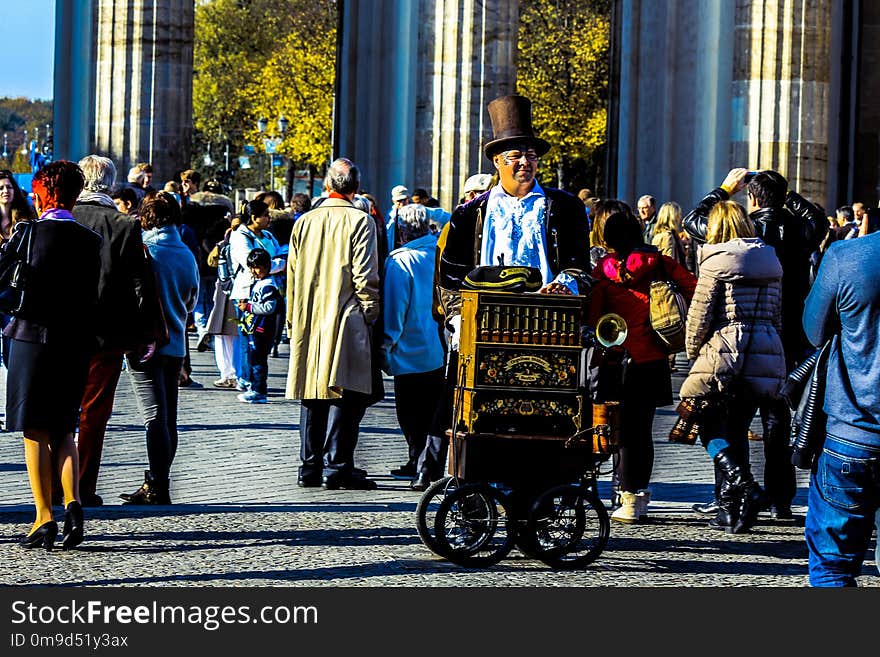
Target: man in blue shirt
[844,303]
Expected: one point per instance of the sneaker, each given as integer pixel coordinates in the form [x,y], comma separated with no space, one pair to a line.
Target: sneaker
[225,383]
[242,386]
[251,397]
[642,499]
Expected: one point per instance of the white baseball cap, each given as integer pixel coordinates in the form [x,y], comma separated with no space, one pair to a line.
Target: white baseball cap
[399,193]
[479,182]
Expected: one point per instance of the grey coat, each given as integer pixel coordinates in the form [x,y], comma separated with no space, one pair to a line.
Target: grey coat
[734,321]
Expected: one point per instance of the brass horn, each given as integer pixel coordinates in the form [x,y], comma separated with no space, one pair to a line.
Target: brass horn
[611,330]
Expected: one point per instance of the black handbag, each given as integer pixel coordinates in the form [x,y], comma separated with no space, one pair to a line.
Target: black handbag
[15,256]
[804,392]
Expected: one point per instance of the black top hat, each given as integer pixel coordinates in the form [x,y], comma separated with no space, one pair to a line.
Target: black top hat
[511,118]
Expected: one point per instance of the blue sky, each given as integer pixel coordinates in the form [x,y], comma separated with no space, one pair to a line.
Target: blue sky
[28,47]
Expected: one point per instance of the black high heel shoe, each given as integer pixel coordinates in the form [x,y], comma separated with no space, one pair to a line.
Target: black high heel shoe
[73,526]
[42,536]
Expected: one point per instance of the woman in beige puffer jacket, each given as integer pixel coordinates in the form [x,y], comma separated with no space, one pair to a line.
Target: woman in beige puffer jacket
[733,336]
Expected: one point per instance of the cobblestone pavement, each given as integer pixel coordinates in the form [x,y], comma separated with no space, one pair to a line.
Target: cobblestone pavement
[239,519]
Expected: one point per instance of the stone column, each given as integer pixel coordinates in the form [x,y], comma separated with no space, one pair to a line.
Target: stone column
[414,81]
[781,91]
[143,84]
[74,83]
[470,61]
[671,99]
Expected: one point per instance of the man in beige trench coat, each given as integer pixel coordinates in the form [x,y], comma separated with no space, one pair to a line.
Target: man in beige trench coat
[332,299]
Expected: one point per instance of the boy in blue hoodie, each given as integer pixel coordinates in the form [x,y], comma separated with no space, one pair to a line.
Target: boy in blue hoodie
[259,324]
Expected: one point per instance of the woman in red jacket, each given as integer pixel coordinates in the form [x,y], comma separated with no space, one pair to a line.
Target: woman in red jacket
[624,278]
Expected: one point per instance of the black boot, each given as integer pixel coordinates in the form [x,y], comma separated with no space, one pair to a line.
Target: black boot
[753,500]
[711,506]
[152,491]
[740,498]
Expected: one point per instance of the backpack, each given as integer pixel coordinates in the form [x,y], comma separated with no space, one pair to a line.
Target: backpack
[668,308]
[225,275]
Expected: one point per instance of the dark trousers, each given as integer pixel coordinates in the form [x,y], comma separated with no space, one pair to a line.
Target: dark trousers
[97,406]
[328,431]
[155,388]
[779,477]
[259,346]
[731,423]
[432,460]
[416,398]
[645,387]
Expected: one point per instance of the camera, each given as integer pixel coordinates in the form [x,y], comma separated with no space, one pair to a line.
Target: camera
[748,177]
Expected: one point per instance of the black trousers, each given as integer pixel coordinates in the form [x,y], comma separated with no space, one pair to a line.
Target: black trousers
[328,435]
[432,460]
[645,387]
[416,397]
[779,477]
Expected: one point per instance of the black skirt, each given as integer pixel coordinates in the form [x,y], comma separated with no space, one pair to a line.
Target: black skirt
[45,385]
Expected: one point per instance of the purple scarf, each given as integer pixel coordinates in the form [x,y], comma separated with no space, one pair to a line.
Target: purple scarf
[57,214]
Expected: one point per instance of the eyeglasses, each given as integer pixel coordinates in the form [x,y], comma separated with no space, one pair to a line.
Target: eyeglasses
[510,157]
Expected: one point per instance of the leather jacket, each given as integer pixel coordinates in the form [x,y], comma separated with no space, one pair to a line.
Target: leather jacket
[794,231]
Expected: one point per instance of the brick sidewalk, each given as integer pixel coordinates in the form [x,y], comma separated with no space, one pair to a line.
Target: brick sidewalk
[240,519]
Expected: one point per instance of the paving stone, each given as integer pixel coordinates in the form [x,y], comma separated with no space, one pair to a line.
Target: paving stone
[239,518]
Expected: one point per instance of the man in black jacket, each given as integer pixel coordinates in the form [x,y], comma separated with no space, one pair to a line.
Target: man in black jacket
[124,304]
[519,223]
[794,227]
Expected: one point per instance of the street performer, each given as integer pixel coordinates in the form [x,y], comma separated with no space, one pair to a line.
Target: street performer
[517,223]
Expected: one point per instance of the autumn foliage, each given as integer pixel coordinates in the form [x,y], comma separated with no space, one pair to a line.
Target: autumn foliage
[563,66]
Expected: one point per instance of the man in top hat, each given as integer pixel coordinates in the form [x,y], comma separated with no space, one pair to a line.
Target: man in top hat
[516,222]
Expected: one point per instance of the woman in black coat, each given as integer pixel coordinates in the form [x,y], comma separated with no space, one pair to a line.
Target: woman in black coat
[52,337]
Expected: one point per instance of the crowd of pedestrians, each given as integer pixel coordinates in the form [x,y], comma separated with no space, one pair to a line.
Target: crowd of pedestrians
[356,293]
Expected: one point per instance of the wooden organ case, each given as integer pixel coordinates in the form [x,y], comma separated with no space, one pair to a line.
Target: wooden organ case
[520,364]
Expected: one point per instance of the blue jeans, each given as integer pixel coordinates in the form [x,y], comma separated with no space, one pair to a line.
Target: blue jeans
[844,496]
[204,303]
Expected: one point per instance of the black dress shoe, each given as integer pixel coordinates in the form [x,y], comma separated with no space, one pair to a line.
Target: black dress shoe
[706,508]
[347,483]
[42,536]
[781,512]
[91,499]
[421,482]
[309,482]
[405,471]
[73,526]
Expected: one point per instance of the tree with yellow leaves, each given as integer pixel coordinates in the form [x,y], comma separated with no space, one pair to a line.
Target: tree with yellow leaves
[265,58]
[563,66]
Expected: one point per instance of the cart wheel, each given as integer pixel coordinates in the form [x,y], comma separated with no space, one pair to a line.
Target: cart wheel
[426,511]
[473,526]
[569,526]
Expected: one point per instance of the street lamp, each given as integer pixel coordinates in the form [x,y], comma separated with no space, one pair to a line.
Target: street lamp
[262,124]
[5,143]
[283,123]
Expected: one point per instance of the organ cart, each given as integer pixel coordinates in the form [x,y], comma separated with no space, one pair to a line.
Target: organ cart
[529,433]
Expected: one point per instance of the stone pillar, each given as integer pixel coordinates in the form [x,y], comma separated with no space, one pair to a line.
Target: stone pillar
[414,81]
[74,80]
[375,107]
[671,99]
[470,61]
[781,91]
[143,80]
